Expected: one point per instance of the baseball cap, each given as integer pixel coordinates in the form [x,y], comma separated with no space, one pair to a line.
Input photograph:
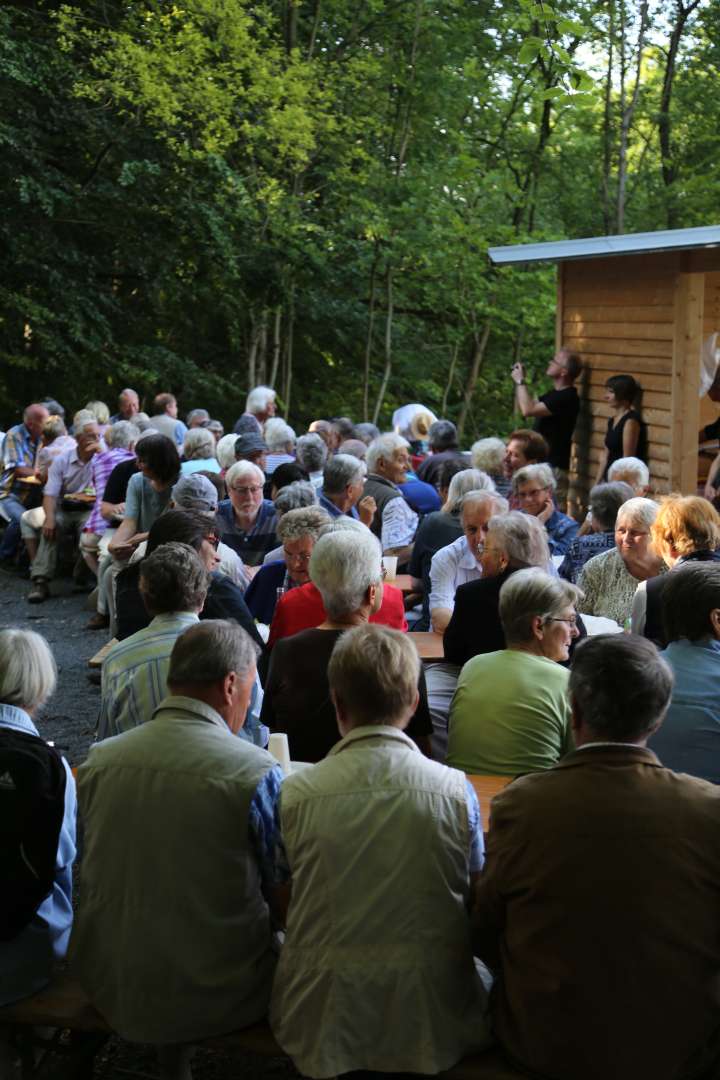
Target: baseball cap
[195,492]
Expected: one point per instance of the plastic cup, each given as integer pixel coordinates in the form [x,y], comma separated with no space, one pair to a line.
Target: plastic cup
[390,564]
[280,750]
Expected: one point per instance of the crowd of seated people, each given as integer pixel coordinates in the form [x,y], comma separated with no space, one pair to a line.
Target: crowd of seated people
[244,580]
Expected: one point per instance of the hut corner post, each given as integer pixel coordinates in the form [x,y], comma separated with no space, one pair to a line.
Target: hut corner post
[687,346]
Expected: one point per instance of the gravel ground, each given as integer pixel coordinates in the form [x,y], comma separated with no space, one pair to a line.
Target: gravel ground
[69,720]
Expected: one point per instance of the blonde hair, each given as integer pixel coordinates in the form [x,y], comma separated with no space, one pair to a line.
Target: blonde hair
[99,410]
[27,669]
[686,523]
[373,673]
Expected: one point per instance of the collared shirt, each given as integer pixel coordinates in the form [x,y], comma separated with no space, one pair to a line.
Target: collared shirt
[251,546]
[134,675]
[451,566]
[581,549]
[101,465]
[19,450]
[399,524]
[47,454]
[333,510]
[68,475]
[561,531]
[26,960]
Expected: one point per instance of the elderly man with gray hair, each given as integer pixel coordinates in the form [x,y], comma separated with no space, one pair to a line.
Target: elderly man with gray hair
[311,454]
[173,584]
[534,489]
[394,523]
[246,521]
[402,853]
[259,407]
[182,856]
[342,489]
[346,568]
[443,440]
[510,713]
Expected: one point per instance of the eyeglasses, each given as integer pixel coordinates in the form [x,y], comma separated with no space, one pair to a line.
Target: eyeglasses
[572,621]
[252,490]
[213,540]
[301,557]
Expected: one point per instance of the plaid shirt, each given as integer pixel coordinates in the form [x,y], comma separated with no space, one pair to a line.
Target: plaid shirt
[102,465]
[19,449]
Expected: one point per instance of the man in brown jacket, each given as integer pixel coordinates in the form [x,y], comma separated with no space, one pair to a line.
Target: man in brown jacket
[599,906]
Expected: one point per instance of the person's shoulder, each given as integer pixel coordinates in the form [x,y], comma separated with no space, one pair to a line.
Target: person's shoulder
[599,562]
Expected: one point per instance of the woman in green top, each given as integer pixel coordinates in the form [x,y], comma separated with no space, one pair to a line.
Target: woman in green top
[510,713]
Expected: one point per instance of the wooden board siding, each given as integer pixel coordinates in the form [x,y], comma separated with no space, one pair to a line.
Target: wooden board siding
[619,315]
[687,347]
[709,410]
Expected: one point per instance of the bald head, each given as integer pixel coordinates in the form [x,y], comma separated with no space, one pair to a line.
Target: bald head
[34,417]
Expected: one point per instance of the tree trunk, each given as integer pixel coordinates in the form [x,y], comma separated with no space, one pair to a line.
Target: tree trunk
[607,121]
[627,113]
[368,339]
[451,376]
[388,343]
[479,345]
[682,14]
[289,350]
[277,322]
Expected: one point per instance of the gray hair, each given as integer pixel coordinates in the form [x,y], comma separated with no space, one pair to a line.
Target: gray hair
[442,435]
[123,434]
[366,432]
[638,511]
[199,444]
[206,653]
[293,496]
[462,482]
[497,503]
[606,500]
[620,686]
[225,450]
[488,455]
[196,414]
[345,523]
[142,421]
[27,669]
[373,672]
[343,566]
[384,447]
[632,470]
[278,435]
[128,392]
[541,474]
[82,418]
[99,410]
[241,469]
[259,399]
[529,594]
[341,470]
[305,521]
[311,452]
[173,579]
[522,538]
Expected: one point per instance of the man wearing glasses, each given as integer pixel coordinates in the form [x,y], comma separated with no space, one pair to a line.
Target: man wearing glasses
[246,522]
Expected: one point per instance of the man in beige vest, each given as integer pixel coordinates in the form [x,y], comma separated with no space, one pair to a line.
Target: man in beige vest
[173,941]
[599,905]
[377,970]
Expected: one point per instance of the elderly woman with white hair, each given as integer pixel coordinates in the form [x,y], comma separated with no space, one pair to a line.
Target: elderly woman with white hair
[35,934]
[280,439]
[225,451]
[534,488]
[394,522]
[511,712]
[200,452]
[297,531]
[488,456]
[346,568]
[459,562]
[609,580]
[247,522]
[632,471]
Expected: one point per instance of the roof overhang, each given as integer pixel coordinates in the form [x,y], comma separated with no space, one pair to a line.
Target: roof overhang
[598,247]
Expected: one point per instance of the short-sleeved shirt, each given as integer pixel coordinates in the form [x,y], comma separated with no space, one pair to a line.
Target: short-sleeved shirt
[557,428]
[144,503]
[69,475]
[19,450]
[102,467]
[117,482]
[297,696]
[252,546]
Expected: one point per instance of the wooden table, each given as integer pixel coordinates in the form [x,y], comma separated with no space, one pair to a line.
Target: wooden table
[429,645]
[486,787]
[98,658]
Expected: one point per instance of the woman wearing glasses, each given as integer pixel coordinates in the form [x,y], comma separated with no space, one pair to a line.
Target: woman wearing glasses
[297,531]
[511,713]
[246,522]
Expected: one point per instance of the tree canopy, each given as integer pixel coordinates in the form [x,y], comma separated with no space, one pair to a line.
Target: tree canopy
[202,196]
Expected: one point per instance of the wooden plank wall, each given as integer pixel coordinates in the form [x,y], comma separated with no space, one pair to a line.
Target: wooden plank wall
[618,313]
[711,325]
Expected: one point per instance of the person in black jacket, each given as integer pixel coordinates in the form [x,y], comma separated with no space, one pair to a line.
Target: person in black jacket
[224,599]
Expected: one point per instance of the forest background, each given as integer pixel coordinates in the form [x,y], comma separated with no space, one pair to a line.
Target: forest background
[206,195]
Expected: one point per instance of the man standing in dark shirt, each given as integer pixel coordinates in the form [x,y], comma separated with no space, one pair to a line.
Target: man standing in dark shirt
[555,412]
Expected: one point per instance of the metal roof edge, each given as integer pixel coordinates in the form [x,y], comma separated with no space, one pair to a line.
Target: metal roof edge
[595,247]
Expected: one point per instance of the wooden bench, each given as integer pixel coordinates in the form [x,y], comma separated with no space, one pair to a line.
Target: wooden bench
[486,788]
[63,1005]
[428,644]
[98,659]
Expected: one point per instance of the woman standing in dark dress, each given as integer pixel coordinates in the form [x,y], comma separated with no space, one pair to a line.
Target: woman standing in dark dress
[626,434]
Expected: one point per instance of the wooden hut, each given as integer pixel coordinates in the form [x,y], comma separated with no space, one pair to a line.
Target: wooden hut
[640,304]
